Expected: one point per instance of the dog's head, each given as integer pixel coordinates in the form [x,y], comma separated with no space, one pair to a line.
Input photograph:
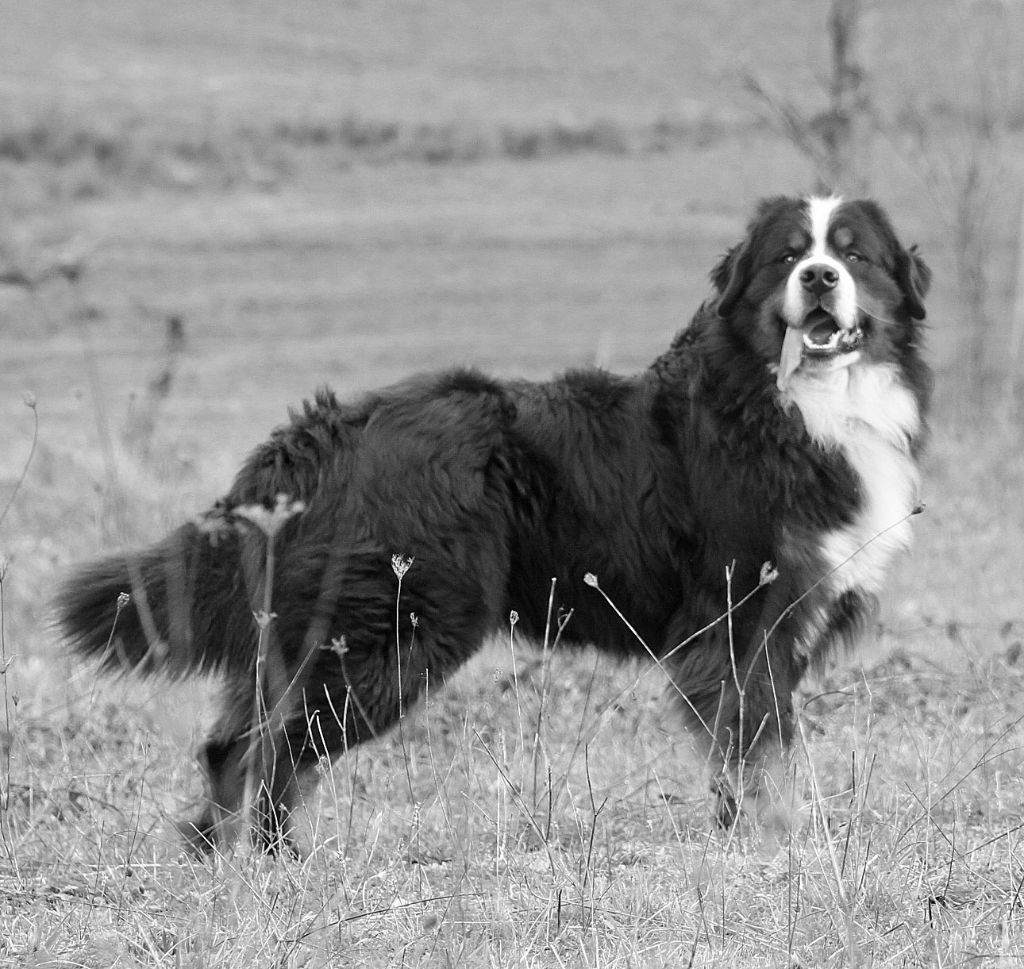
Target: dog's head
[820,284]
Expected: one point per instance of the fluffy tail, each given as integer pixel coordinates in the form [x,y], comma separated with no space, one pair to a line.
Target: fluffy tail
[178,608]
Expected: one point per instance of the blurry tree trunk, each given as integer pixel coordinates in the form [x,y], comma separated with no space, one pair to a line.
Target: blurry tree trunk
[844,132]
[962,174]
[972,248]
[834,139]
[1011,401]
[963,151]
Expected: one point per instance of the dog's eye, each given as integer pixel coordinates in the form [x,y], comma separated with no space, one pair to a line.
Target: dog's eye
[788,258]
[854,256]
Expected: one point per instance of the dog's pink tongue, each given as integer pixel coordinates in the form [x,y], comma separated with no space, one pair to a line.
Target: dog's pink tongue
[792,353]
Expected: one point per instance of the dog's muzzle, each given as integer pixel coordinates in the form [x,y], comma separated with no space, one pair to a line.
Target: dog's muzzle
[821,317]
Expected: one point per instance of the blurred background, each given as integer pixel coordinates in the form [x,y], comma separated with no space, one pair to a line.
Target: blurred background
[207,210]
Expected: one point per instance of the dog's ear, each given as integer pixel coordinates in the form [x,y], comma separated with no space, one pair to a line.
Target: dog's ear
[914,277]
[731,276]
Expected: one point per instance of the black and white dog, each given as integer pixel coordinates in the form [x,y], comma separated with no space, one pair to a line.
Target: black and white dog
[767,459]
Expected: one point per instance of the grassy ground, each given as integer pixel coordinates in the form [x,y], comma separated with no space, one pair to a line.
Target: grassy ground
[332,193]
[477,844]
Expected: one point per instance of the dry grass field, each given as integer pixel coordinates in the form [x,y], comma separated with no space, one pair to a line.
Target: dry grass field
[345,193]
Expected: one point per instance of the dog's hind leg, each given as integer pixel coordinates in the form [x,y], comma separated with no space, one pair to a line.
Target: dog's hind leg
[223,757]
[276,765]
[351,680]
[350,695]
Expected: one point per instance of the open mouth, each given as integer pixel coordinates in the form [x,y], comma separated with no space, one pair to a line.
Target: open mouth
[823,337]
[819,340]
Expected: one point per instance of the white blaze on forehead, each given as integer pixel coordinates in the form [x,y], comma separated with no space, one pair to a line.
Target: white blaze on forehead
[842,301]
[819,213]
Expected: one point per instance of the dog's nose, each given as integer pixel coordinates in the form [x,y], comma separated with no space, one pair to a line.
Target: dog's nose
[818,279]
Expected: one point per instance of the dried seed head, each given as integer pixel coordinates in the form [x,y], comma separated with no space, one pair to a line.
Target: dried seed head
[338,646]
[271,520]
[263,618]
[400,564]
[768,574]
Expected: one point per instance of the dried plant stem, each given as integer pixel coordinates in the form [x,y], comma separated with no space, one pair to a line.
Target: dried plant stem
[8,737]
[400,564]
[30,402]
[259,763]
[271,681]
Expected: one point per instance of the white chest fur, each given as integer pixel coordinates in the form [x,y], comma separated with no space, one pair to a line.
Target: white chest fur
[867,413]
